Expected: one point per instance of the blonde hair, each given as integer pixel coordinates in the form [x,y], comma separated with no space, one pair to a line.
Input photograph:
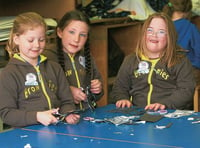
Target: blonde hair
[22,23]
[169,55]
[184,6]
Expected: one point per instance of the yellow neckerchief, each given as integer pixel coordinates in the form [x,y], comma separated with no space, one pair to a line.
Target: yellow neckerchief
[71,57]
[153,62]
[37,68]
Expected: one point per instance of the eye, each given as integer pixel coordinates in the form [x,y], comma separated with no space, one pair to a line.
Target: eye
[149,30]
[30,41]
[42,40]
[83,35]
[71,32]
[162,32]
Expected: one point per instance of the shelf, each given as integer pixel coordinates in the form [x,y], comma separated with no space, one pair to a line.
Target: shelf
[47,8]
[3,43]
[110,20]
[125,35]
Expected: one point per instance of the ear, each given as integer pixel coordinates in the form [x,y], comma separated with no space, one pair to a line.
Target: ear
[59,32]
[16,39]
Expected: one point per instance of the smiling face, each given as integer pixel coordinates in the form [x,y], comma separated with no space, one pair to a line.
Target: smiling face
[31,44]
[156,38]
[73,36]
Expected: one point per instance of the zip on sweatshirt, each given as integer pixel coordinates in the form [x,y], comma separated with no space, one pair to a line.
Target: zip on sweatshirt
[76,74]
[150,84]
[153,62]
[40,59]
[37,68]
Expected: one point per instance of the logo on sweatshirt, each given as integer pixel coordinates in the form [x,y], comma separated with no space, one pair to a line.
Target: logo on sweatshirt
[31,79]
[143,67]
[82,60]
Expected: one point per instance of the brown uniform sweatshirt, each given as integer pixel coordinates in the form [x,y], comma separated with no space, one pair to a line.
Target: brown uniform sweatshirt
[75,71]
[151,81]
[25,90]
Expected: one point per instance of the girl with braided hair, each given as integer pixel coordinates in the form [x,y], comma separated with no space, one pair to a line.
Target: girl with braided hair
[74,56]
[188,33]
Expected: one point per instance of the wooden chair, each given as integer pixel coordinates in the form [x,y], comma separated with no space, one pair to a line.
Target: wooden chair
[1,125]
[196,20]
[197,99]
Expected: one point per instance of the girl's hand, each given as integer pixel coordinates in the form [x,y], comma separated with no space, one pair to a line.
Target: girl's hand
[78,94]
[123,103]
[72,118]
[46,117]
[155,106]
[96,86]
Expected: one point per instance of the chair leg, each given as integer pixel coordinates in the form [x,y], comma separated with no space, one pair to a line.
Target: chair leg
[196,99]
[1,125]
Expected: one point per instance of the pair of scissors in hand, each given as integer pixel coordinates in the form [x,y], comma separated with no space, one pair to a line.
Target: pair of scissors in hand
[61,117]
[90,98]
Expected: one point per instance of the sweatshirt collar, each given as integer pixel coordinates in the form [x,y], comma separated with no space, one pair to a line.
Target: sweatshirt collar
[41,58]
[144,58]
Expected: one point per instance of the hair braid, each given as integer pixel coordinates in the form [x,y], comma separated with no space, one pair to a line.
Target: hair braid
[60,54]
[88,65]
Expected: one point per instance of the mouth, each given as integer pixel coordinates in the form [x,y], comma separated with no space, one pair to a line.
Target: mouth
[36,50]
[74,46]
[153,41]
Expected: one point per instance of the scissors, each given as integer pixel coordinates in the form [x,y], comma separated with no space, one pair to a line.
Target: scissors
[61,117]
[90,98]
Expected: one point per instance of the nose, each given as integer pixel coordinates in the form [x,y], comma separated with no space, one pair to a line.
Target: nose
[154,33]
[76,37]
[36,43]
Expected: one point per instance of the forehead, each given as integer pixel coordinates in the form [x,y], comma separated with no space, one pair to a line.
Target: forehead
[25,27]
[158,23]
[76,24]
[34,31]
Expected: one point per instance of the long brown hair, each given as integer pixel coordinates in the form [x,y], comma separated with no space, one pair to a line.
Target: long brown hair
[64,22]
[169,55]
[21,24]
[184,6]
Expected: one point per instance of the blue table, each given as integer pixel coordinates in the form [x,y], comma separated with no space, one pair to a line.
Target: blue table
[182,134]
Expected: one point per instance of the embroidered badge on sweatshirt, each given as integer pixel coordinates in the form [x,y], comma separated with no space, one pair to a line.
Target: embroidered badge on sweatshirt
[143,67]
[82,60]
[31,79]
